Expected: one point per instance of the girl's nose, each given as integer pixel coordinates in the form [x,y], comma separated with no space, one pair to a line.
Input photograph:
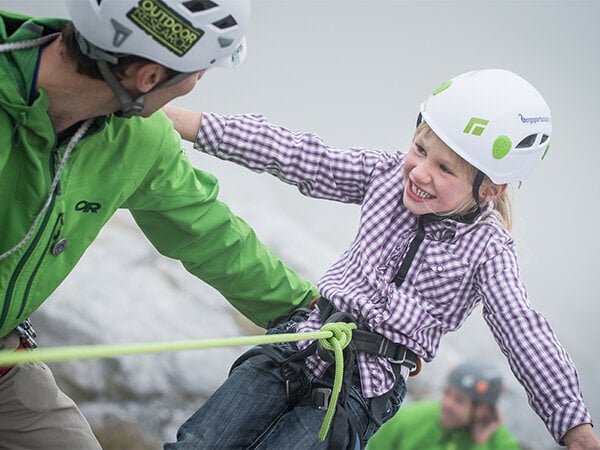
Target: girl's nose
[421,173]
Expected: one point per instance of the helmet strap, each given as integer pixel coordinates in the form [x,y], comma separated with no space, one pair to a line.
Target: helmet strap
[419,119]
[93,52]
[477,184]
[129,106]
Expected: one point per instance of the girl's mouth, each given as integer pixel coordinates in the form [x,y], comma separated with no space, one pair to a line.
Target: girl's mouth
[420,193]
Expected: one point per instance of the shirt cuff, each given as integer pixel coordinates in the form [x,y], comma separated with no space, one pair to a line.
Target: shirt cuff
[210,133]
[568,417]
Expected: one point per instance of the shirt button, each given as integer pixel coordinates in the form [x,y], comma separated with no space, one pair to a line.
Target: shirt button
[60,247]
[440,268]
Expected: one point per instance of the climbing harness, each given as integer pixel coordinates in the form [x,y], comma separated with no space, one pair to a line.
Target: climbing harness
[26,340]
[402,358]
[299,390]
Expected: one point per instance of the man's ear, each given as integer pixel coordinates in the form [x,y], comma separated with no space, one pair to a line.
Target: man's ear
[491,191]
[148,75]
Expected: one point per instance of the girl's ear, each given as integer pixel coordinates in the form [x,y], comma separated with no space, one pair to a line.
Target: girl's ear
[491,191]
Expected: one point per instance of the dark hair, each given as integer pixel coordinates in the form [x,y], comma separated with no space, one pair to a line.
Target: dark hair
[88,67]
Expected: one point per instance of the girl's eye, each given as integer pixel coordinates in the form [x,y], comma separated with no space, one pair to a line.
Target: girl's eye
[446,169]
[420,150]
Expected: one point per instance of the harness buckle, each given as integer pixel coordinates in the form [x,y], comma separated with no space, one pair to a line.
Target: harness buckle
[384,347]
[320,398]
[413,366]
[27,334]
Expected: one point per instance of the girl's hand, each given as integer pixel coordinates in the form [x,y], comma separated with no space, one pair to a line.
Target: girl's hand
[186,122]
[581,438]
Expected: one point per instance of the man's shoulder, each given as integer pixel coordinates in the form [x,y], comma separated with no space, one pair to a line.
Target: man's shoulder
[154,130]
[12,28]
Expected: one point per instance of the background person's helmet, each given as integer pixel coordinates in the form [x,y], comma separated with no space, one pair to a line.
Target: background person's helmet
[493,119]
[481,382]
[183,35]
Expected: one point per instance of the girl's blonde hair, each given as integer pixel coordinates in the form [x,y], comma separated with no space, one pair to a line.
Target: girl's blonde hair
[501,206]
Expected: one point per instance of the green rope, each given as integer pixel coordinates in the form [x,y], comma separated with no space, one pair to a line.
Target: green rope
[56,354]
[341,337]
[332,336]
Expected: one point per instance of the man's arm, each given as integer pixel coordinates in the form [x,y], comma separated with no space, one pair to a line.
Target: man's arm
[178,209]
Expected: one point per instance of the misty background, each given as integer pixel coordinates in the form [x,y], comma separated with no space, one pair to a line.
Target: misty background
[354,72]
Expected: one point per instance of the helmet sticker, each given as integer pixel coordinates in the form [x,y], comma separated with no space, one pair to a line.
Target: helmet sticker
[121,33]
[533,120]
[442,87]
[475,126]
[546,150]
[165,26]
[481,387]
[501,147]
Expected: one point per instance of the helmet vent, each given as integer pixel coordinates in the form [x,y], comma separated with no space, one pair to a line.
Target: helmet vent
[227,22]
[544,138]
[199,5]
[527,142]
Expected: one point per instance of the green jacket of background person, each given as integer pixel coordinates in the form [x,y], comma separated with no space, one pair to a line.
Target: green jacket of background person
[416,427]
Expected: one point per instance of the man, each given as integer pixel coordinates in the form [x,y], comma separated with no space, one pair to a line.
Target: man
[73,150]
[466,418]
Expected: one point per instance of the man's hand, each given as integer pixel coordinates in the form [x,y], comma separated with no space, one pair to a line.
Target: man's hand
[487,421]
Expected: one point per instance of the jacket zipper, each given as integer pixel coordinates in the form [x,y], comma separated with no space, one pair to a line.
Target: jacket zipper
[32,246]
[57,226]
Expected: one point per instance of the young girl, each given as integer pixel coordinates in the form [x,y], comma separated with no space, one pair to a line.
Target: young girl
[433,243]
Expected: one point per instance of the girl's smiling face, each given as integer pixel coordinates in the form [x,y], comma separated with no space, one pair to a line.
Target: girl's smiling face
[437,179]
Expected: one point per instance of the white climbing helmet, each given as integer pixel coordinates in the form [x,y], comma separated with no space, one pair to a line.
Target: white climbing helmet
[183,35]
[494,119]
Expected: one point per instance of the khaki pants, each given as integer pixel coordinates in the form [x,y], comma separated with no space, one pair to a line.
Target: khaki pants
[36,414]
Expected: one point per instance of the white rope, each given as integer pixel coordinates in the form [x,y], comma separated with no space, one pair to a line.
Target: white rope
[22,45]
[74,139]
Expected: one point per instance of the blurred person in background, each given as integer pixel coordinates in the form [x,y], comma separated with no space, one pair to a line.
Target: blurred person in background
[466,418]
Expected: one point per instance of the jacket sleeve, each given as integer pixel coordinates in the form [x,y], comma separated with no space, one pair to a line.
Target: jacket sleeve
[177,208]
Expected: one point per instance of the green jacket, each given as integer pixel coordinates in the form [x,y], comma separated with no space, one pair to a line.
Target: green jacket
[138,164]
[416,427]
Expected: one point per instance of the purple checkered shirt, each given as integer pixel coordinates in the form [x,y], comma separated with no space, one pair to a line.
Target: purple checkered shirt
[457,267]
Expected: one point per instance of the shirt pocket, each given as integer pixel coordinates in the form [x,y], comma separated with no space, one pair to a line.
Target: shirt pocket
[440,277]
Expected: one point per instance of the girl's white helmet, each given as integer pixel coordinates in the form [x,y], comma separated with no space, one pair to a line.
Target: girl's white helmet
[494,119]
[183,35]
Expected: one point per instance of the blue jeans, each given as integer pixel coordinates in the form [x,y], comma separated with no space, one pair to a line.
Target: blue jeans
[250,411]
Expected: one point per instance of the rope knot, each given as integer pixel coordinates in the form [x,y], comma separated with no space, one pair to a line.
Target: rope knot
[342,335]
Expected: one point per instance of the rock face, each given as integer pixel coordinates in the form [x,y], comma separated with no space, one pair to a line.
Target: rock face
[123,291]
